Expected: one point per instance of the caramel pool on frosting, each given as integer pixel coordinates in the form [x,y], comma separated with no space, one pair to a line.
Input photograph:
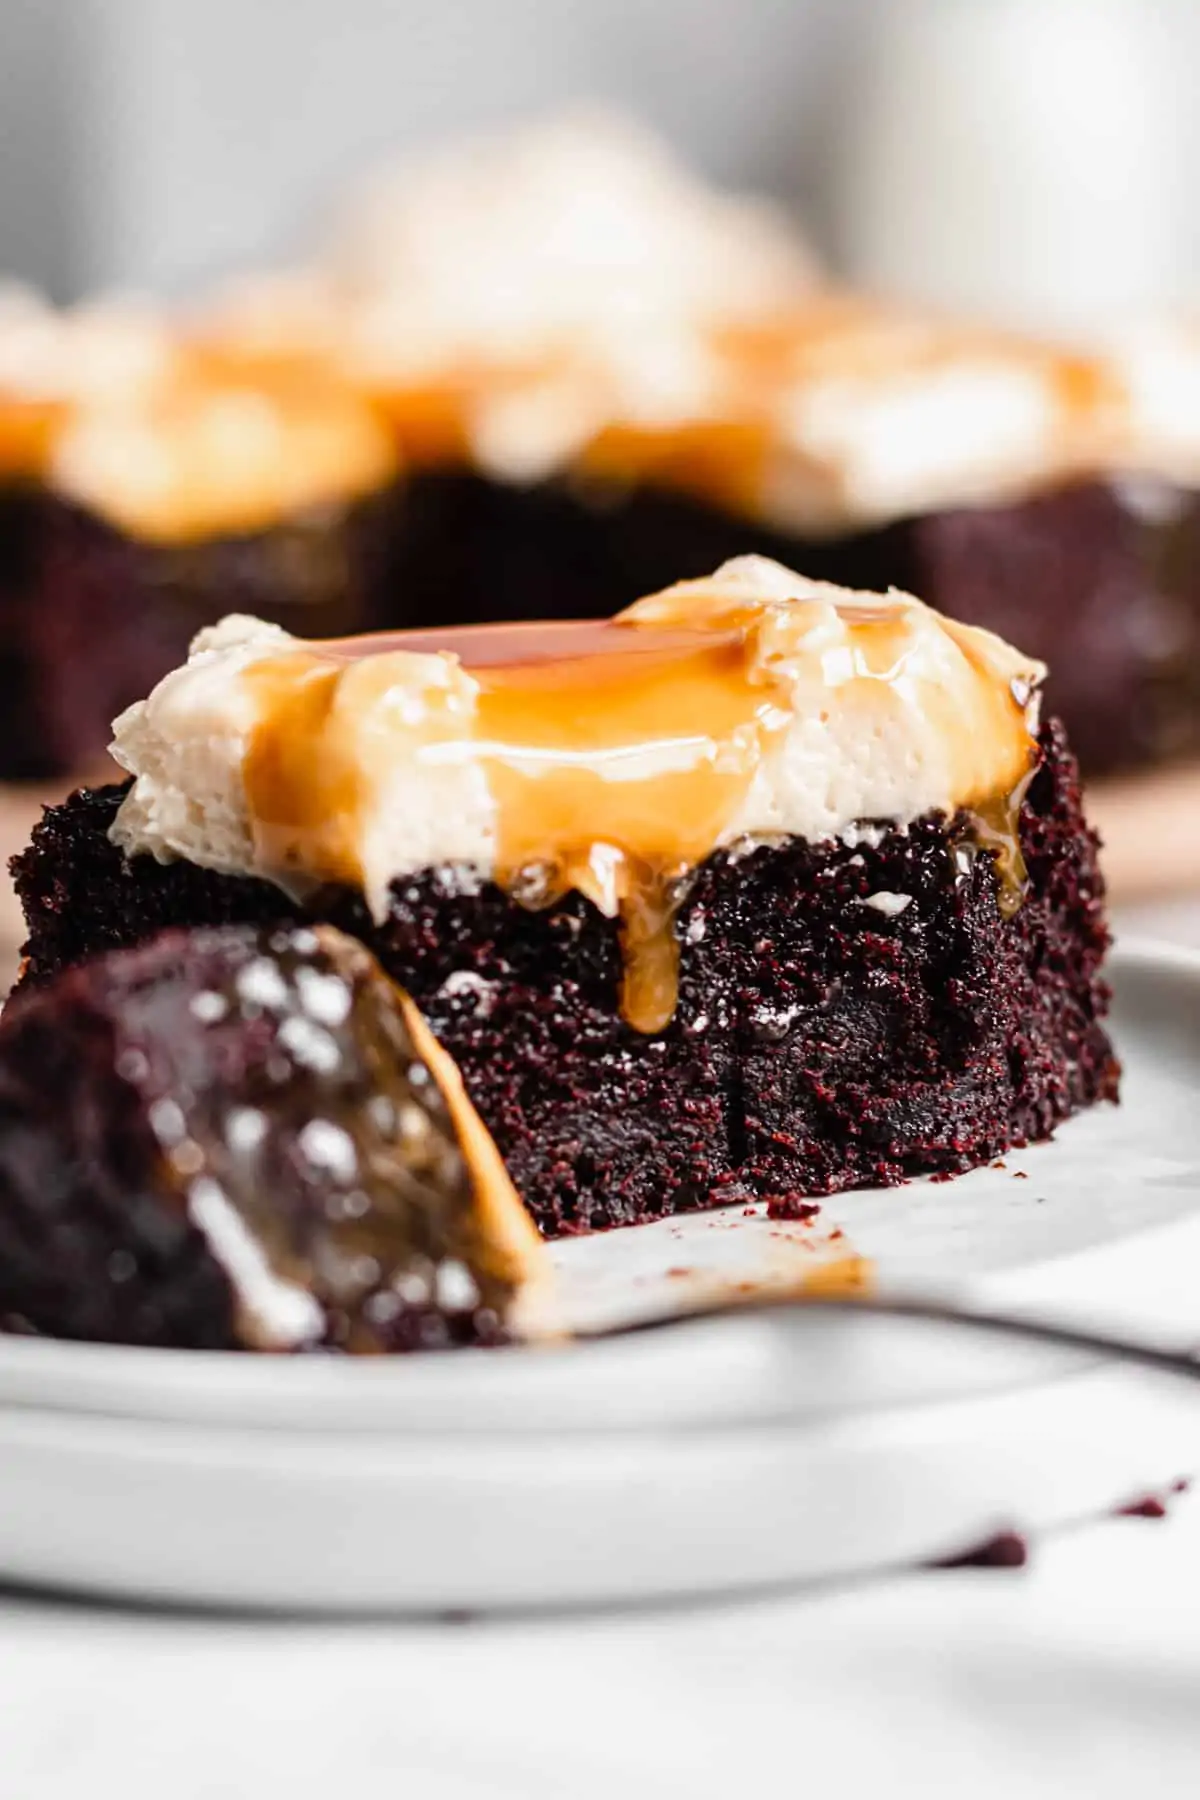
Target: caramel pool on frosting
[609,758]
[616,754]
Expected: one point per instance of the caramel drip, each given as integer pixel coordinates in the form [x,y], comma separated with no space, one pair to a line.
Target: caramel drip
[722,461]
[27,433]
[616,756]
[303,783]
[995,825]
[994,812]
[614,773]
[848,1274]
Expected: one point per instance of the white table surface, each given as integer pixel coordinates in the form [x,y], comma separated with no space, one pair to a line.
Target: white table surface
[1078,1675]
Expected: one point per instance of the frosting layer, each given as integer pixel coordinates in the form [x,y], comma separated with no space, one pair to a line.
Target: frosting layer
[223,449]
[172,439]
[567,299]
[510,298]
[55,363]
[608,758]
[575,229]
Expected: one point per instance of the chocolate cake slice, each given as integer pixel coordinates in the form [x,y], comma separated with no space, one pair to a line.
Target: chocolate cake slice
[538,377]
[148,483]
[246,1139]
[1013,487]
[761,888]
[606,375]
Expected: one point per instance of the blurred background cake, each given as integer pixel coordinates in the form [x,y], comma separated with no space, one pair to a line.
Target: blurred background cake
[452,344]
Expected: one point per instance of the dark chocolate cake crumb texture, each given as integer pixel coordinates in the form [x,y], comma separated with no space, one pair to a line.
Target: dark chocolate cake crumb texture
[819,1043]
[224,1122]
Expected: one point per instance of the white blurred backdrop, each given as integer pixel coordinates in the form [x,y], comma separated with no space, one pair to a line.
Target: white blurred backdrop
[1035,157]
[157,141]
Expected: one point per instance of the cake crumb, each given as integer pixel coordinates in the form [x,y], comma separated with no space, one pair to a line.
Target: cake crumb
[1155,1505]
[1006,1550]
[1150,1506]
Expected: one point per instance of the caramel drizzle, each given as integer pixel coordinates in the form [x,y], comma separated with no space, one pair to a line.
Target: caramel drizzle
[617,756]
[995,825]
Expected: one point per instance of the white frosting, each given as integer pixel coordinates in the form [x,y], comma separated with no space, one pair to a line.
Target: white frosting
[274,312]
[871,415]
[89,353]
[185,745]
[663,375]
[493,249]
[1157,365]
[841,749]
[578,255]
[835,763]
[873,447]
[204,455]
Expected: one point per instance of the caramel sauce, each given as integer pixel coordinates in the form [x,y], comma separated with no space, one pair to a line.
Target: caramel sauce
[629,762]
[722,461]
[617,755]
[994,811]
[342,415]
[303,782]
[995,825]
[848,1274]
[27,433]
[340,418]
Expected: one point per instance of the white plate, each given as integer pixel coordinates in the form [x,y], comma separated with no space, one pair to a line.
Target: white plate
[718,1454]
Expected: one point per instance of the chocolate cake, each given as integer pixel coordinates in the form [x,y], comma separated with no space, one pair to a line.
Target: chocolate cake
[147,483]
[1015,487]
[537,378]
[605,378]
[761,889]
[246,1139]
